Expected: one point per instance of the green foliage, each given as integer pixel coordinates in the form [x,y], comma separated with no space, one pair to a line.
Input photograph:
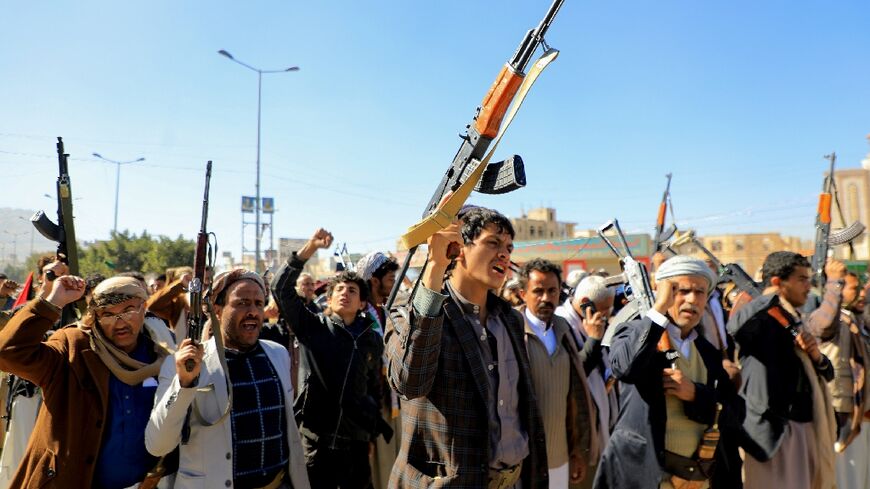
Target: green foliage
[128,252]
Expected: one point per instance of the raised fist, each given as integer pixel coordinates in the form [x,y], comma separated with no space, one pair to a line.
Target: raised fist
[66,290]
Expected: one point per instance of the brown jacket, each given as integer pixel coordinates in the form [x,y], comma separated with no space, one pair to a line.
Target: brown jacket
[167,304]
[75,383]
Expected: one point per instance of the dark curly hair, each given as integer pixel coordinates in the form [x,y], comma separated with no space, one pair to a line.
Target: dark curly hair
[781,264]
[476,219]
[348,277]
[540,265]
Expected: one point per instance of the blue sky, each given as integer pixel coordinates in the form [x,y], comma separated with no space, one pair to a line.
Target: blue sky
[739,99]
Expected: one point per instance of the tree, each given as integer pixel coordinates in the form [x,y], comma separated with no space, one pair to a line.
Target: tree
[128,252]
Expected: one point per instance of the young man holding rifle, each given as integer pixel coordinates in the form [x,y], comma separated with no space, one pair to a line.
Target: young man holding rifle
[457,356]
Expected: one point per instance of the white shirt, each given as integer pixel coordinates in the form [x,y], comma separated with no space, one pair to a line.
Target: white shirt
[542,331]
[683,345]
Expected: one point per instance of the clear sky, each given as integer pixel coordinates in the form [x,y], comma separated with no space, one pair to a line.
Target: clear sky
[739,99]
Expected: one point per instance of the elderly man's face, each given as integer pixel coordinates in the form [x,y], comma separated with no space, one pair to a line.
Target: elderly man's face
[241,316]
[305,286]
[690,300]
[121,323]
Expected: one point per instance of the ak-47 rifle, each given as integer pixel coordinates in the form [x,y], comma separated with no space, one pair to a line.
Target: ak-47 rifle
[63,233]
[637,287]
[196,317]
[824,238]
[471,169]
[728,272]
[662,234]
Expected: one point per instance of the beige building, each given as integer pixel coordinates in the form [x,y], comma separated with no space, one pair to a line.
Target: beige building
[541,225]
[748,250]
[853,185]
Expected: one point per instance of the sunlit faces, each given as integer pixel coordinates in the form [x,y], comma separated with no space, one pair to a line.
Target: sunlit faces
[487,259]
[121,323]
[541,294]
[690,300]
[796,287]
[241,316]
[345,300]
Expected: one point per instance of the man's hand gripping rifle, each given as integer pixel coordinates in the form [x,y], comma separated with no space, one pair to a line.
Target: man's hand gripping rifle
[63,233]
[471,169]
[824,238]
[196,289]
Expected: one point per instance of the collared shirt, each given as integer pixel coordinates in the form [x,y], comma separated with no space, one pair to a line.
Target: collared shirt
[123,460]
[543,331]
[683,345]
[260,447]
[509,442]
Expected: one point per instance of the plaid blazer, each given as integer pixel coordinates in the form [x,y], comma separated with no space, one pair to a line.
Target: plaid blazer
[434,363]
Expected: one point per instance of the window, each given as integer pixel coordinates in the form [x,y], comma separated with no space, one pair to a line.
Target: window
[716,246]
[738,245]
[532,231]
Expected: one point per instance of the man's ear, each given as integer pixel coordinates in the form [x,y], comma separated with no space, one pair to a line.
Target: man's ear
[217,310]
[775,281]
[522,294]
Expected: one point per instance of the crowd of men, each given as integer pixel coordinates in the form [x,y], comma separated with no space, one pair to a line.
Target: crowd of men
[479,379]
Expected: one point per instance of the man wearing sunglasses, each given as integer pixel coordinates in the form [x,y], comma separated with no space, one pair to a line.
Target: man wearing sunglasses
[98,382]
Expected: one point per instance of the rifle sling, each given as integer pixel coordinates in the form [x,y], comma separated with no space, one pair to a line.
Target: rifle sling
[446,213]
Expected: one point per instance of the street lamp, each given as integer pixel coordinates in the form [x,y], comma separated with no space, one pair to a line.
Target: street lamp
[117,181]
[15,244]
[259,103]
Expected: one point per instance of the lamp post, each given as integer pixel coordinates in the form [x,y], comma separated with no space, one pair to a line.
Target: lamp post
[117,181]
[15,244]
[259,105]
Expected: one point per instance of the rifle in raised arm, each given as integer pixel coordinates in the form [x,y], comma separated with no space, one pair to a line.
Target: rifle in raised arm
[470,169]
[824,237]
[196,317]
[64,232]
[728,272]
[662,234]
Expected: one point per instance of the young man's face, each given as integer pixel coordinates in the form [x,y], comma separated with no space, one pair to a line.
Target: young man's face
[487,259]
[384,285]
[796,287]
[541,294]
[690,300]
[345,299]
[121,323]
[852,298]
[241,316]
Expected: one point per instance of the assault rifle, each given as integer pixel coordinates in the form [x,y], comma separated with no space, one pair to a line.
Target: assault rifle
[824,238]
[63,233]
[196,317]
[635,277]
[495,178]
[662,234]
[728,272]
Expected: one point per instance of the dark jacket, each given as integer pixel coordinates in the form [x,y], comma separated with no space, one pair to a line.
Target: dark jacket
[340,367]
[634,457]
[775,387]
[435,364]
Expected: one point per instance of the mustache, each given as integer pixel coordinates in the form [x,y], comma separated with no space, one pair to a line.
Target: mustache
[692,309]
[546,304]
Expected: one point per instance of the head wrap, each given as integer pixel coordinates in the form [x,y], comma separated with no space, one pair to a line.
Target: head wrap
[110,290]
[369,264]
[681,265]
[223,281]
[575,277]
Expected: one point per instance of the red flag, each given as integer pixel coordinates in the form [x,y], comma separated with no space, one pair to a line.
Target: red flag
[25,291]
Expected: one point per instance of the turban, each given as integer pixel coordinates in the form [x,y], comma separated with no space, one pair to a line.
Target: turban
[681,265]
[369,264]
[117,289]
[223,281]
